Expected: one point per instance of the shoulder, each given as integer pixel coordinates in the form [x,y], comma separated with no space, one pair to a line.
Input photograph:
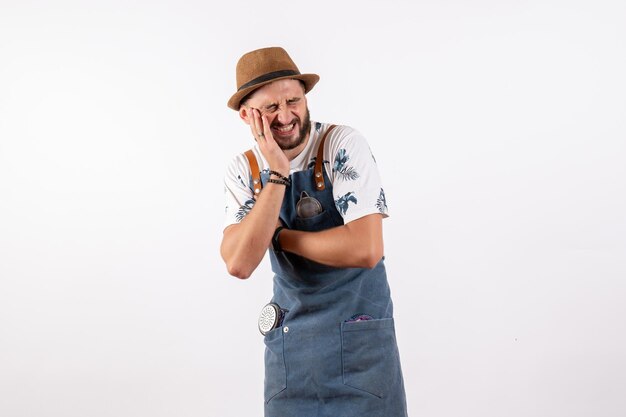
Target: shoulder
[343,134]
[344,137]
[239,165]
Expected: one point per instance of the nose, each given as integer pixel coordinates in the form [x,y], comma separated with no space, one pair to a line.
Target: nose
[284,115]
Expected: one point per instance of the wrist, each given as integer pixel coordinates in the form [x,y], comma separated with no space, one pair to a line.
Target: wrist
[275,242]
[278,178]
[280,171]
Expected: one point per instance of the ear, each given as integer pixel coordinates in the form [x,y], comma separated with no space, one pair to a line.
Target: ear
[244,114]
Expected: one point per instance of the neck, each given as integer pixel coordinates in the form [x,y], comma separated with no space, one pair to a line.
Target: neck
[293,153]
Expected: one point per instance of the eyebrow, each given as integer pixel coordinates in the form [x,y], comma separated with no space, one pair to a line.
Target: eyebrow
[295,98]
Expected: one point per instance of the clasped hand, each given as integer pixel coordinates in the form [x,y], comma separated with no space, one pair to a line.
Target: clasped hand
[262,133]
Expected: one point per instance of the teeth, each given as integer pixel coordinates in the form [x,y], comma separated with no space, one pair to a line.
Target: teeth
[285,128]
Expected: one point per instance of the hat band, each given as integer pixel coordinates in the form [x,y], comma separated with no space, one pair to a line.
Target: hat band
[267,77]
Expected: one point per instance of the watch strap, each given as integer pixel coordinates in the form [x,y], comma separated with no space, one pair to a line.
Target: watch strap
[275,242]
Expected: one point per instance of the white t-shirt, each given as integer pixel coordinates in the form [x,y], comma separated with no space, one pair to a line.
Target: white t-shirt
[349,163]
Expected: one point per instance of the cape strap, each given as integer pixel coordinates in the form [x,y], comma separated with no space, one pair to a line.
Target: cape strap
[318,172]
[319,161]
[256,174]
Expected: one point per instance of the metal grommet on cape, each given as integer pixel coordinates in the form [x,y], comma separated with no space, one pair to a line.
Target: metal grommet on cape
[271,317]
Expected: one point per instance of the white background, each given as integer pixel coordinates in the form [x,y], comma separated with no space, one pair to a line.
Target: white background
[499,128]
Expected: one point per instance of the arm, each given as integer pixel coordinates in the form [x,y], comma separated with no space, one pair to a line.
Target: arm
[359,197]
[244,244]
[358,244]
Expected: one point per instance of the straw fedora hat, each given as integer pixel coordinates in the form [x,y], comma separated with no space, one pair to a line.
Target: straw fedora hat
[263,66]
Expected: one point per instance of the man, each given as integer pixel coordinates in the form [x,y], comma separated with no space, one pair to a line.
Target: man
[311,193]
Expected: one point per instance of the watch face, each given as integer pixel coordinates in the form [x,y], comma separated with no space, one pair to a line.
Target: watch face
[268,318]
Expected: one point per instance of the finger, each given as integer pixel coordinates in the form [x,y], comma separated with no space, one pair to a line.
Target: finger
[266,128]
[255,123]
[262,122]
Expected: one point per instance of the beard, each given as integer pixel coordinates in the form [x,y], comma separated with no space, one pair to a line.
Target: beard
[292,143]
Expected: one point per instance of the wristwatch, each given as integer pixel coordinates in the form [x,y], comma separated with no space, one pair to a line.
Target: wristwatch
[275,242]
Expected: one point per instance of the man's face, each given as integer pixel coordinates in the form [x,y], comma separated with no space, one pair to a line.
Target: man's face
[284,104]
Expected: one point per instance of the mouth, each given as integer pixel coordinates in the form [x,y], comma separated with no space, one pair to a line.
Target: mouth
[284,130]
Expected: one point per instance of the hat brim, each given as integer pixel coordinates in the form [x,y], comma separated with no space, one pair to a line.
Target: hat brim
[309,82]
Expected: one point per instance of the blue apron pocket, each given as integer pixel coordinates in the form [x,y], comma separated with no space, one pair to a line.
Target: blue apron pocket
[370,356]
[275,371]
